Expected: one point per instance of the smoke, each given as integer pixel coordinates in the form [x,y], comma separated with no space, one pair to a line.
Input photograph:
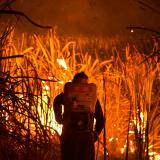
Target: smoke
[94,17]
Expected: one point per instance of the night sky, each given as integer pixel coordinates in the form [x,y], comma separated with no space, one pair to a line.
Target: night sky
[88,17]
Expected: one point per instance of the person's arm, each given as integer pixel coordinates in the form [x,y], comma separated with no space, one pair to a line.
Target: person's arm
[57,106]
[99,118]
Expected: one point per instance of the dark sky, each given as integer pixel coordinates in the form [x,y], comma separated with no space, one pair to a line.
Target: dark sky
[87,16]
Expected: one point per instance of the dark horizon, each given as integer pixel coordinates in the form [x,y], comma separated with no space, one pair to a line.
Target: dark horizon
[103,17]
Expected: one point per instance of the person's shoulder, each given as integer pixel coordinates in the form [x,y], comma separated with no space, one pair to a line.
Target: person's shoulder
[59,96]
[67,84]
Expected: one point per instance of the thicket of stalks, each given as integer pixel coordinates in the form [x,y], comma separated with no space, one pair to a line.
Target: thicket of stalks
[128,89]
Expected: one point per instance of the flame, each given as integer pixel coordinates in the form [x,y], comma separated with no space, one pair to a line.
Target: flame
[157,157]
[122,150]
[110,139]
[62,63]
[47,115]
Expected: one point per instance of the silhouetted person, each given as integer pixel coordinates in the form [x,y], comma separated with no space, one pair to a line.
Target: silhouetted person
[81,106]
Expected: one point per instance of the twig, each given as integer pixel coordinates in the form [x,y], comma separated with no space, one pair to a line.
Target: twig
[25,16]
[148,6]
[150,56]
[7,4]
[8,57]
[42,79]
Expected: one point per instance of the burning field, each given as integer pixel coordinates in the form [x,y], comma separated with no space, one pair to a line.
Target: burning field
[34,69]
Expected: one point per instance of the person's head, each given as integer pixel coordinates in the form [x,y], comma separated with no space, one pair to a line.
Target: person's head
[80,78]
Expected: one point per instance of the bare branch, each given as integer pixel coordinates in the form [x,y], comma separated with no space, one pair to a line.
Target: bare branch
[8,57]
[19,13]
[148,6]
[145,29]
[7,4]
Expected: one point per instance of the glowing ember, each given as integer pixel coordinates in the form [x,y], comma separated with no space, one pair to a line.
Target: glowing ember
[132,30]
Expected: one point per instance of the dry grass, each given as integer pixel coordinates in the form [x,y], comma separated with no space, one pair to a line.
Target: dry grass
[132,94]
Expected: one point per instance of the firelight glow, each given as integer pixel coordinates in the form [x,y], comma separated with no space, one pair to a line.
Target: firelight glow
[62,63]
[48,112]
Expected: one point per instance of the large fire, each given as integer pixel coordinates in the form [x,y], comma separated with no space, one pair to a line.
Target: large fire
[130,89]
